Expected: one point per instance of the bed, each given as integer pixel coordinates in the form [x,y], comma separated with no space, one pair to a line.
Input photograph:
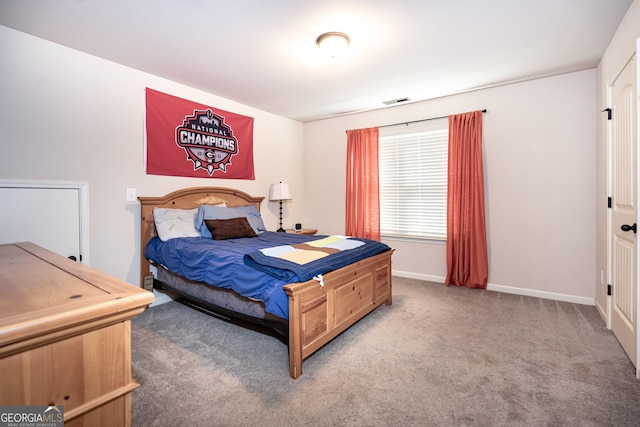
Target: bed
[304,314]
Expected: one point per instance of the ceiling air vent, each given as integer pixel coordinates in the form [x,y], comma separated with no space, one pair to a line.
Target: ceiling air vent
[396,101]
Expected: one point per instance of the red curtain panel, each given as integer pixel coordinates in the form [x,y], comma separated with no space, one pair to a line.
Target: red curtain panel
[467,263]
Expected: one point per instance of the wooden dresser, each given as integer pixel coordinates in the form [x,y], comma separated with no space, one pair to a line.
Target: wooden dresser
[65,336]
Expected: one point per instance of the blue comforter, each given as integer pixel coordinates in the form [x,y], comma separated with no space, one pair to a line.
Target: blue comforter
[222,263]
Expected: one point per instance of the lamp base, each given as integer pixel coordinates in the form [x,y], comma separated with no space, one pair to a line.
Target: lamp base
[281,230]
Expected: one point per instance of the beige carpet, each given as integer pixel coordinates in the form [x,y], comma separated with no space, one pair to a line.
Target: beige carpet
[440,356]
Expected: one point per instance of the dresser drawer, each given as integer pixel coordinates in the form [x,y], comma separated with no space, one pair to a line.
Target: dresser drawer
[80,373]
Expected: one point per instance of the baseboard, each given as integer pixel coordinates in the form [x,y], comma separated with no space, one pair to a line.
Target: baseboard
[506,289]
[160,298]
[408,275]
[602,311]
[541,294]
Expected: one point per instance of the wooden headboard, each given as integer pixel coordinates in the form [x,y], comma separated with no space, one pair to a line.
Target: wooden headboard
[182,199]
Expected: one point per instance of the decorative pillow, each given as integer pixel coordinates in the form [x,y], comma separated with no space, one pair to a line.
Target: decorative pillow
[211,200]
[234,228]
[217,212]
[254,217]
[174,223]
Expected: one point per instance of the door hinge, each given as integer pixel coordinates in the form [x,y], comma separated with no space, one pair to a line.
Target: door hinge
[609,202]
[609,290]
[608,110]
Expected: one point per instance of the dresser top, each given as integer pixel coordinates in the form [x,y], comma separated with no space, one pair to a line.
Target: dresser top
[43,293]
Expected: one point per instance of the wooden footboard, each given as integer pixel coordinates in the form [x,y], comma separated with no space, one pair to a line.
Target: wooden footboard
[318,313]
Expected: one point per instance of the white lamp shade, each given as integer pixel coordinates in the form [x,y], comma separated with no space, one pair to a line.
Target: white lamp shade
[280,191]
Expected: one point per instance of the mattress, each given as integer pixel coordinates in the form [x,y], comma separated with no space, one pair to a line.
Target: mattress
[219,297]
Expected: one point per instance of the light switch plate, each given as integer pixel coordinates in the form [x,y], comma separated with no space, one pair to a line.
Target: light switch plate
[131,195]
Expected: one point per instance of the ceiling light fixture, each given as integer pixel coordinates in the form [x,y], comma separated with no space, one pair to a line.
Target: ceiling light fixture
[333,43]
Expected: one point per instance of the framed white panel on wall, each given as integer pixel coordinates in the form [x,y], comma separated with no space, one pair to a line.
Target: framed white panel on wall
[51,214]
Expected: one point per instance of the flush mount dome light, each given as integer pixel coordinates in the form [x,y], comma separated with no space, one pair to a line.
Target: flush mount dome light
[333,43]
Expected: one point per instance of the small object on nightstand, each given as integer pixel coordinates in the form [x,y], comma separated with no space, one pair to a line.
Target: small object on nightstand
[307,231]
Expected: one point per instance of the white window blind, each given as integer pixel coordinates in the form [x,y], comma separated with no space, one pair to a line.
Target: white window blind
[413,180]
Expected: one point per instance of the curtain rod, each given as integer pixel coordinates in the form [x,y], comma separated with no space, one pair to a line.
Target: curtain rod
[421,120]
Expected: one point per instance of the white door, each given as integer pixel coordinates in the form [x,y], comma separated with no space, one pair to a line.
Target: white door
[624,210]
[47,215]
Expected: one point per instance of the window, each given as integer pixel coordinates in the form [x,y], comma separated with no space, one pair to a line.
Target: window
[413,180]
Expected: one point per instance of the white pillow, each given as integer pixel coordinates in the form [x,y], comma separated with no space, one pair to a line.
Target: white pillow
[174,223]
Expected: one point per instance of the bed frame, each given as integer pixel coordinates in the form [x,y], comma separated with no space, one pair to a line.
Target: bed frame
[316,314]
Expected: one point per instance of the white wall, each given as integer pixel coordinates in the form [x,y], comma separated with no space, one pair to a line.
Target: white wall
[539,147]
[69,116]
[621,48]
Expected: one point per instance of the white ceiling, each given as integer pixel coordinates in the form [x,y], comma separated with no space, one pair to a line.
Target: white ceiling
[263,54]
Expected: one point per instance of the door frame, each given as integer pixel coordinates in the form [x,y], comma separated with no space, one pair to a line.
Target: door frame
[637,50]
[83,205]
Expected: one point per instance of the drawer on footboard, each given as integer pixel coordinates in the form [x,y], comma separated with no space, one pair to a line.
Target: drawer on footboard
[353,297]
[314,318]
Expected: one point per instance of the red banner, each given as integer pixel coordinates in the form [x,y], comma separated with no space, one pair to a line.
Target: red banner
[189,139]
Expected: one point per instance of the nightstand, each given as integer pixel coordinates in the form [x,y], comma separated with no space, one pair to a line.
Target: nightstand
[307,231]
